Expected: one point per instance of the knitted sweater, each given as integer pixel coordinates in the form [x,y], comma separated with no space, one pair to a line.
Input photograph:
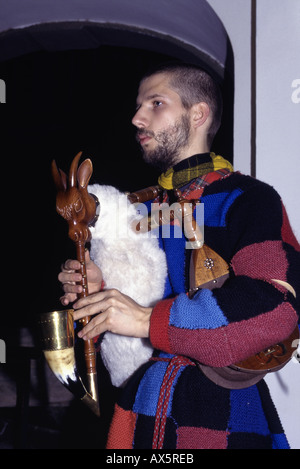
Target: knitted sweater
[169,403]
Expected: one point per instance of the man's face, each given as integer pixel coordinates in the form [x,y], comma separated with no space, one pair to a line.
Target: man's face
[162,122]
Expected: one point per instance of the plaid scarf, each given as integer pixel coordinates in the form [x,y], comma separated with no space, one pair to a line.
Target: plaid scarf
[191,168]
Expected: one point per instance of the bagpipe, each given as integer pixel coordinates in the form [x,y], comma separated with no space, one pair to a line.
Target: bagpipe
[207,270]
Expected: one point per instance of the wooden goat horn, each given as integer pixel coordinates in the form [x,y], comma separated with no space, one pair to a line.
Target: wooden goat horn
[84,173]
[73,170]
[59,177]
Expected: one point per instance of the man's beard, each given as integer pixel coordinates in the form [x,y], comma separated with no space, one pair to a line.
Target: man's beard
[170,143]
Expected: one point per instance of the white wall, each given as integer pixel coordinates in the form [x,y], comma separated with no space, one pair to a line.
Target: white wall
[278,151]
[235,15]
[278,117]
[278,133]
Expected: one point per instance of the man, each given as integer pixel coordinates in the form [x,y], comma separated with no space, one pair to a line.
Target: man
[170,402]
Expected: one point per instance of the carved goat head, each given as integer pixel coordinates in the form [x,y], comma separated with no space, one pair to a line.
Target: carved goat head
[73,202]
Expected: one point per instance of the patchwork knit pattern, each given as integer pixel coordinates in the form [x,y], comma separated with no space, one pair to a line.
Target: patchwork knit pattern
[247,225]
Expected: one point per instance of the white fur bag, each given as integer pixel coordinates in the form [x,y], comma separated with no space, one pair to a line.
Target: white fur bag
[134,264]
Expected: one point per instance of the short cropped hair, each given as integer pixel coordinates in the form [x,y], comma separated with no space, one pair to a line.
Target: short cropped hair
[194,85]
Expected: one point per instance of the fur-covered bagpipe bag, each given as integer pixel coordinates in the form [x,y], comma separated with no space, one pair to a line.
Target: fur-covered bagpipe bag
[134,264]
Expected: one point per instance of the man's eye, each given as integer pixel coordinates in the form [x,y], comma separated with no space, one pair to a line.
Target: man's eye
[157,103]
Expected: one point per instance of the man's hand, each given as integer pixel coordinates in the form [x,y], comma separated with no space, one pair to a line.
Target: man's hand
[69,277]
[120,314]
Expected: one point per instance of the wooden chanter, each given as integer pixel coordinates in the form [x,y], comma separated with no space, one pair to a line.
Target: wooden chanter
[78,208]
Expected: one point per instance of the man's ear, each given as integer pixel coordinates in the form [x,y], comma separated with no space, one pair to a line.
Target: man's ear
[200,114]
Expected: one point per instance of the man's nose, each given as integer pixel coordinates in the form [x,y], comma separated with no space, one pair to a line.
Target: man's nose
[140,120]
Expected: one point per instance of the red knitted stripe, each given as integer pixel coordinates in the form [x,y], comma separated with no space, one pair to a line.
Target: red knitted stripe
[159,326]
[248,261]
[121,432]
[237,341]
[201,438]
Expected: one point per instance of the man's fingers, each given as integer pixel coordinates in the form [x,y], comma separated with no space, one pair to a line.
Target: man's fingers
[69,277]
[87,256]
[96,303]
[72,288]
[67,299]
[120,314]
[94,328]
[70,265]
[89,309]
